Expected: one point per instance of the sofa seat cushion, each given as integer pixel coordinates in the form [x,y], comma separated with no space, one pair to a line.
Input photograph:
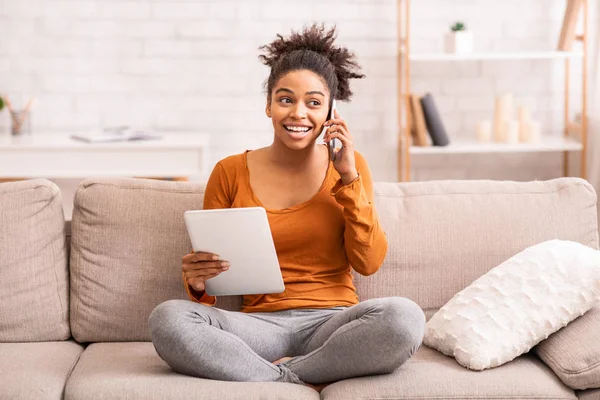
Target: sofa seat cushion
[36,370]
[431,375]
[34,283]
[133,370]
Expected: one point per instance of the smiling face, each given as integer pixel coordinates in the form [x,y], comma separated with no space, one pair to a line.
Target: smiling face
[298,108]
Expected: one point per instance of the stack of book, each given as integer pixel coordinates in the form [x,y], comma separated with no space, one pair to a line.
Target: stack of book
[117,134]
[427,125]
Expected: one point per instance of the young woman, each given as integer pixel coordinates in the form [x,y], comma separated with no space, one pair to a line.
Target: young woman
[323,221]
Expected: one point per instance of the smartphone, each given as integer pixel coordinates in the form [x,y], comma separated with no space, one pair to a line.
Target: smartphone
[332,144]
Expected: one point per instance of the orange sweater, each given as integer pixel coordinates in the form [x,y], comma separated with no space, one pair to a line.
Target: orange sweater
[317,242]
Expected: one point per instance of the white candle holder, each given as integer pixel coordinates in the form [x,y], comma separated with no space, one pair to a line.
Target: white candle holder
[484,131]
[511,132]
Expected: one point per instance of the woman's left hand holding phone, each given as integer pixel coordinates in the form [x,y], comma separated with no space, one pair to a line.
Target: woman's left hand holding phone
[344,163]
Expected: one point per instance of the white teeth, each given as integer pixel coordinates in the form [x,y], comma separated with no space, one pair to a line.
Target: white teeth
[297,128]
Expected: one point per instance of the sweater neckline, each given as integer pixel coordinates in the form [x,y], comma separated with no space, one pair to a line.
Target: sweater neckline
[288,209]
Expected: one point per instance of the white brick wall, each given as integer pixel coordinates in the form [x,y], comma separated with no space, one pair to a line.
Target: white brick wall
[192,65]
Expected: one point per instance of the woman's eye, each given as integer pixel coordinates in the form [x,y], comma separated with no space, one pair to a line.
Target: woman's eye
[315,103]
[285,100]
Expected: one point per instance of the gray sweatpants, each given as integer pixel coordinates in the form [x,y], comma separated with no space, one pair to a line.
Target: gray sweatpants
[373,337]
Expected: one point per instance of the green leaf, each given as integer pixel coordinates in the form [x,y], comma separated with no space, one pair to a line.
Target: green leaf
[458,26]
[1,103]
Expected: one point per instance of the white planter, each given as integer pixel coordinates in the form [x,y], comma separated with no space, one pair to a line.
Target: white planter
[459,42]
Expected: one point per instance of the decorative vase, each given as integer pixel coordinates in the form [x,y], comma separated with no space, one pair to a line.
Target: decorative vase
[459,42]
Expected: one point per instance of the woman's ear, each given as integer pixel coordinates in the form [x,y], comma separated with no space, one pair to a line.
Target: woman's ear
[268,109]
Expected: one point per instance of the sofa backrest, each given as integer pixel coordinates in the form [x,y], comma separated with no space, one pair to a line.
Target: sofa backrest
[34,301]
[128,238]
[445,234]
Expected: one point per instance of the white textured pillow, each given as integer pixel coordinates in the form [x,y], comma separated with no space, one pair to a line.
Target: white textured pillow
[516,305]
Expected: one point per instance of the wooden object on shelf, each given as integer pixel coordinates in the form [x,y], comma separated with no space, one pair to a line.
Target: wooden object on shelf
[420,128]
[413,131]
[567,32]
[4,180]
[575,128]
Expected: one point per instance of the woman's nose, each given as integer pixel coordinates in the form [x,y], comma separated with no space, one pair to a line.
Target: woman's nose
[299,111]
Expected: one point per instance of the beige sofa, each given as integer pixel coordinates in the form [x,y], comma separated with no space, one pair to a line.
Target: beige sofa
[75,297]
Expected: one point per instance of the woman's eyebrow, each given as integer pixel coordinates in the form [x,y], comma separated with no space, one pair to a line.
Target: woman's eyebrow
[284,90]
[292,92]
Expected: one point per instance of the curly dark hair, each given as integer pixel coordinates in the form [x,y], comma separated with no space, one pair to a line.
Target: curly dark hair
[312,50]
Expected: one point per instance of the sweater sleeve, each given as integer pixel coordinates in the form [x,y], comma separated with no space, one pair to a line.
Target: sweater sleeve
[217,191]
[216,195]
[364,239]
[196,296]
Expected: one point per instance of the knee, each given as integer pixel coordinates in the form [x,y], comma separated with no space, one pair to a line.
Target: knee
[404,321]
[164,315]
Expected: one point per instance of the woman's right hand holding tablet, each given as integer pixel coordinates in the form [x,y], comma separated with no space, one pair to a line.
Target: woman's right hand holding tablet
[197,267]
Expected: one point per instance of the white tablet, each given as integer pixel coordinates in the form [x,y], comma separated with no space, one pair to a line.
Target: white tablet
[243,237]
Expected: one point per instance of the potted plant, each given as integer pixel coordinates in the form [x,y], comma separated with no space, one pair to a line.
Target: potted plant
[459,40]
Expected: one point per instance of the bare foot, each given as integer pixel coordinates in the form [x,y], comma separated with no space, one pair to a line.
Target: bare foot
[283,359]
[318,387]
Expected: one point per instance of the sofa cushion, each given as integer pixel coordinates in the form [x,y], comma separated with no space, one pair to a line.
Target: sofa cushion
[128,239]
[33,263]
[37,370]
[431,375]
[573,353]
[445,234]
[135,371]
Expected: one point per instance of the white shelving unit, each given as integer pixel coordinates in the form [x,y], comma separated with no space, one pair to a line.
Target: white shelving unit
[575,132]
[473,147]
[532,55]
